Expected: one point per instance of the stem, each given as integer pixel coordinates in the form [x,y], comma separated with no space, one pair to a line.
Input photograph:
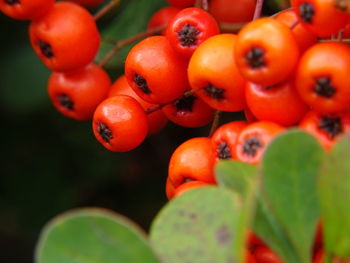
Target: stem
[294,24]
[124,42]
[342,5]
[104,10]
[231,27]
[215,123]
[258,9]
[203,4]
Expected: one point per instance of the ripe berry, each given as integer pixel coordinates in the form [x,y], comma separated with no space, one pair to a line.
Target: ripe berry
[66,38]
[192,160]
[189,111]
[120,123]
[266,60]
[326,127]
[232,12]
[278,103]
[155,71]
[25,9]
[76,94]
[88,3]
[224,140]
[181,3]
[253,140]
[265,255]
[162,17]
[320,16]
[156,119]
[189,28]
[322,77]
[214,76]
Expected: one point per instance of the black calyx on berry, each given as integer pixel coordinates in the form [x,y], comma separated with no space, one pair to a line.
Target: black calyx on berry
[324,88]
[252,145]
[185,104]
[141,83]
[332,125]
[223,151]
[188,35]
[104,131]
[255,58]
[306,12]
[214,92]
[46,49]
[65,101]
[12,2]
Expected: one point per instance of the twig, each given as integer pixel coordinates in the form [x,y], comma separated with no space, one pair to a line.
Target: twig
[231,27]
[215,123]
[258,9]
[104,10]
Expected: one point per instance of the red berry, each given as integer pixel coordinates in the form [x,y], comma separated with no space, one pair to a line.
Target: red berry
[182,3]
[66,38]
[188,186]
[265,255]
[25,9]
[120,123]
[76,94]
[232,12]
[88,3]
[162,17]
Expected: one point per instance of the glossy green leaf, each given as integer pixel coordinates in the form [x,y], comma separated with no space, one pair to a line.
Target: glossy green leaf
[334,189]
[92,235]
[198,226]
[290,167]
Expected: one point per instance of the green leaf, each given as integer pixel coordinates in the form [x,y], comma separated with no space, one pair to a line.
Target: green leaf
[290,167]
[334,189]
[132,19]
[198,226]
[92,235]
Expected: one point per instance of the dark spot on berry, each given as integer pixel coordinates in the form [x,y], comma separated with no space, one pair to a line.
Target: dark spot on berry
[306,12]
[65,101]
[223,151]
[324,87]
[46,49]
[104,131]
[214,92]
[141,83]
[185,104]
[331,125]
[255,57]
[252,145]
[188,35]
[12,2]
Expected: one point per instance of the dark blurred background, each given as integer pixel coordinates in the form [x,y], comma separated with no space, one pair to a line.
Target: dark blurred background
[50,163]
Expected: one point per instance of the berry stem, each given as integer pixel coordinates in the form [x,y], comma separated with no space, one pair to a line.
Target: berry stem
[258,9]
[231,27]
[124,42]
[202,4]
[342,5]
[215,123]
[105,9]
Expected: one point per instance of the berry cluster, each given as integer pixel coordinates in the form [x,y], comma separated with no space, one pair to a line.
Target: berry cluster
[288,70]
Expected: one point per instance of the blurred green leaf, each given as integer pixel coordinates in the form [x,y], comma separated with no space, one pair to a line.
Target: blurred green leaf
[334,189]
[132,19]
[92,235]
[198,226]
[290,167]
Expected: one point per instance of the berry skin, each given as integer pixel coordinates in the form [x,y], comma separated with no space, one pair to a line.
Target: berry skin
[66,38]
[214,76]
[162,17]
[188,186]
[326,127]
[181,3]
[155,71]
[320,17]
[25,9]
[120,123]
[76,94]
[278,103]
[319,258]
[192,160]
[265,255]
[190,28]
[229,12]
[88,3]
[253,140]
[322,77]
[266,60]
[189,111]
[304,38]
[224,140]
[156,120]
